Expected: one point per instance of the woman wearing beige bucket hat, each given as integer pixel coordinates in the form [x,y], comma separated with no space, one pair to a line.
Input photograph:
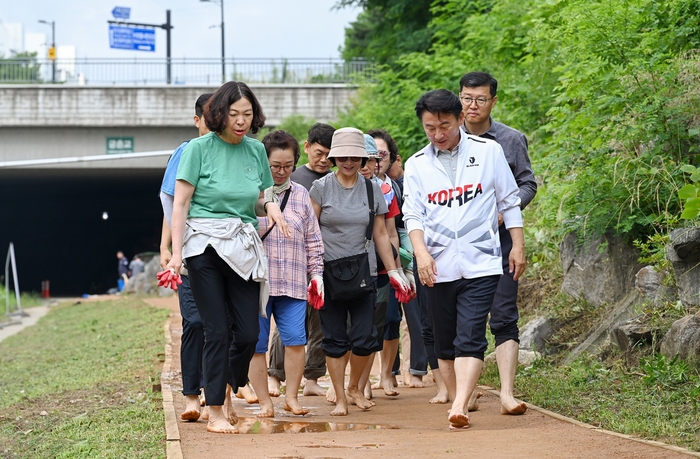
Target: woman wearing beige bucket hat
[342,204]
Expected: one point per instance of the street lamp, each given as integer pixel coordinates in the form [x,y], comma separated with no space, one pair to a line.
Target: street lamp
[223,54]
[52,51]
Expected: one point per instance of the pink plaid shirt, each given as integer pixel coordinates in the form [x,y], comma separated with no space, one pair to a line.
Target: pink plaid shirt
[294,259]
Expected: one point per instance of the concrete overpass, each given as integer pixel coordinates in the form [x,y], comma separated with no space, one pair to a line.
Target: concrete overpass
[54,213]
[57,121]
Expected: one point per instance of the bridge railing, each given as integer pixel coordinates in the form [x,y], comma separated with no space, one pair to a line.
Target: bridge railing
[183,71]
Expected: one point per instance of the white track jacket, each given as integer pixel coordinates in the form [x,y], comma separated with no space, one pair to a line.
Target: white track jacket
[460,221]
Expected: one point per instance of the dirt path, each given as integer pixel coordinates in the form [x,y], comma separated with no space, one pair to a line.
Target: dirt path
[406,426]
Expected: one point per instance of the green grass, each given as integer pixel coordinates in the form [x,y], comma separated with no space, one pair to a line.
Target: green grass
[657,399]
[28,300]
[89,369]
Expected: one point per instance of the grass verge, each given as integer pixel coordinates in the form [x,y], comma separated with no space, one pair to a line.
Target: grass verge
[79,383]
[657,399]
[28,300]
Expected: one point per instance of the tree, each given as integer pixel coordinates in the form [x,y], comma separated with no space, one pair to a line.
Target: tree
[21,68]
[386,29]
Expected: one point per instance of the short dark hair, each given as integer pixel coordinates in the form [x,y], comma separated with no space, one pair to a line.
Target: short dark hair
[382,134]
[281,140]
[476,79]
[439,101]
[201,101]
[321,134]
[217,108]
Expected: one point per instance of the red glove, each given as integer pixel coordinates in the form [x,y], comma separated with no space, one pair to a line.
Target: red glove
[401,287]
[168,279]
[315,295]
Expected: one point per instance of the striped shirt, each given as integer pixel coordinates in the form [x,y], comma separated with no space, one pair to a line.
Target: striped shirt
[292,260]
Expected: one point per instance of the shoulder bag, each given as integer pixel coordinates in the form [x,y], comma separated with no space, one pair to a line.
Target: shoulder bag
[350,277]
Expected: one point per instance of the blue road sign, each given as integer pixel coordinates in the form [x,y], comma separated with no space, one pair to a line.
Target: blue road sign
[121,12]
[122,37]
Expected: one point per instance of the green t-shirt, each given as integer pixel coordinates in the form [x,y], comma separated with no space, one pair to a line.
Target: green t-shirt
[227,178]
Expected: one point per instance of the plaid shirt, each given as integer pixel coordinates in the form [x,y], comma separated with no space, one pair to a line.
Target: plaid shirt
[294,259]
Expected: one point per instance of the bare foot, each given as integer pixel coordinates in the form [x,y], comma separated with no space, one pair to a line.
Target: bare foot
[205,414]
[330,396]
[516,409]
[192,408]
[227,410]
[292,405]
[441,397]
[219,421]
[340,410]
[311,388]
[221,426]
[202,399]
[473,403]
[265,412]
[377,385]
[368,391]
[360,401]
[458,420]
[247,393]
[393,381]
[416,381]
[371,402]
[389,387]
[273,386]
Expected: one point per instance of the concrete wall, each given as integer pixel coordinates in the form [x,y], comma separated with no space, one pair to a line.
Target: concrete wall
[47,121]
[159,106]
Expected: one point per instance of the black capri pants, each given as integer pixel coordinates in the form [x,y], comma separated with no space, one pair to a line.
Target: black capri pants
[229,308]
[504,311]
[458,311]
[359,336]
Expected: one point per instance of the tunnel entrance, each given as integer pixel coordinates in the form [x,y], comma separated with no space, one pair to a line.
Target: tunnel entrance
[54,217]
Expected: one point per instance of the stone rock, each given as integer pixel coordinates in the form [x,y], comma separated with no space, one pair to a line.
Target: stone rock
[597,339]
[525,357]
[632,333]
[649,282]
[683,339]
[145,282]
[601,271]
[684,254]
[534,335]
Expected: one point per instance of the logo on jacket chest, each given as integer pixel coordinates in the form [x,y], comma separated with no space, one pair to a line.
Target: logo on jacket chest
[460,194]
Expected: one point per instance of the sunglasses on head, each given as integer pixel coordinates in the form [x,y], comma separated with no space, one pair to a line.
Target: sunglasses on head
[354,159]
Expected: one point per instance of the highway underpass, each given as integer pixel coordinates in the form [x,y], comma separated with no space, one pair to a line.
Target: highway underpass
[54,217]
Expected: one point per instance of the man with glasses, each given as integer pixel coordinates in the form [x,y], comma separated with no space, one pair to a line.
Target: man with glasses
[478,95]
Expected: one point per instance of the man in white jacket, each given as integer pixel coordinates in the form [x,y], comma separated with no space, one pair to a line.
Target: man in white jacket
[454,189]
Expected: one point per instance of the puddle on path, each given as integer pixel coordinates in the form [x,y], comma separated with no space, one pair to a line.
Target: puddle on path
[271,426]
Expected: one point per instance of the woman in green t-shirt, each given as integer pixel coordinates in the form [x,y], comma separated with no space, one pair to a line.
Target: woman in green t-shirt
[218,193]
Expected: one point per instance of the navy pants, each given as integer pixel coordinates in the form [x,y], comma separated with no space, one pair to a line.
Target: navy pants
[458,312]
[229,308]
[192,341]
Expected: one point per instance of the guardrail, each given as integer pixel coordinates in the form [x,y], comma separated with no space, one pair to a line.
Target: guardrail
[183,71]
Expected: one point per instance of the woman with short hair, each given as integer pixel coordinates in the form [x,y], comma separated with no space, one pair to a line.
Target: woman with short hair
[218,193]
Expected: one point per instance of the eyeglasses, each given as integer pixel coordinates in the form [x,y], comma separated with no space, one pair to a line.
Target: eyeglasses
[354,159]
[481,101]
[383,154]
[281,168]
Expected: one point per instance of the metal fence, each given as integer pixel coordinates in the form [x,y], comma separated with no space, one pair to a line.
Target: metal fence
[182,71]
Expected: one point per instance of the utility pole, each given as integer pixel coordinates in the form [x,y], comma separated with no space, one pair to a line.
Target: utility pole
[223,52]
[52,50]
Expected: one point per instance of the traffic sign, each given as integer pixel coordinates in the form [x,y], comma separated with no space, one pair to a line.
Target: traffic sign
[52,53]
[122,37]
[121,12]
[118,145]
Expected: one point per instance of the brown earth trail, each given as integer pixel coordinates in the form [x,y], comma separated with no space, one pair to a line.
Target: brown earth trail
[404,427]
